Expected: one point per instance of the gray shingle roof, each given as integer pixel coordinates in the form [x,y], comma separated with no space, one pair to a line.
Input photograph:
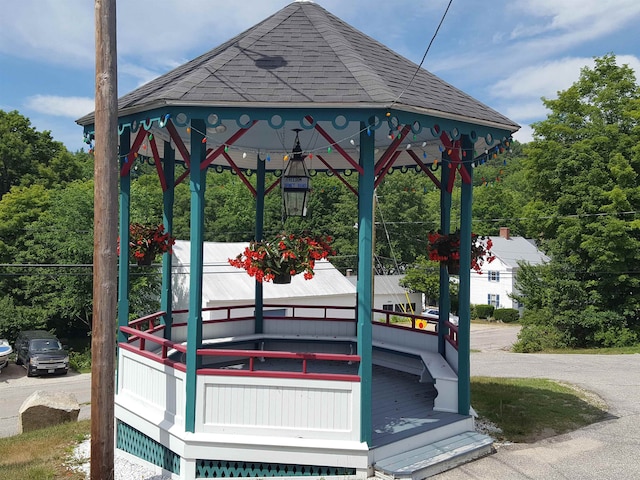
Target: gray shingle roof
[515,249]
[304,55]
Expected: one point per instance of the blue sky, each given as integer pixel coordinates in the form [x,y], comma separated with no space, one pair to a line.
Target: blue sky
[506,53]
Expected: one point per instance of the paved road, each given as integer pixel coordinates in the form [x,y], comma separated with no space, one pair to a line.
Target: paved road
[603,451]
[15,388]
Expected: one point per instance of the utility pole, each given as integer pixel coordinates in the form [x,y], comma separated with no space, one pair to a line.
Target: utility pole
[105,230]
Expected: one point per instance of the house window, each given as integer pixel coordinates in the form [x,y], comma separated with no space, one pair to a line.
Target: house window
[405,307]
[493,299]
[388,306]
[493,275]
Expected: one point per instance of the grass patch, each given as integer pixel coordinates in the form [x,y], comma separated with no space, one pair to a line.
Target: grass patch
[596,351]
[42,454]
[527,410]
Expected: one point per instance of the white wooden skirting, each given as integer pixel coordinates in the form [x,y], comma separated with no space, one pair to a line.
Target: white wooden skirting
[303,409]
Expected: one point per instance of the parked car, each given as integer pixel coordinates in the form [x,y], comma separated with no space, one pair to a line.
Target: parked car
[5,351]
[434,314]
[41,353]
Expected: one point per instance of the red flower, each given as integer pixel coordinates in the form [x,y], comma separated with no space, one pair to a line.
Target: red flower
[446,248]
[287,253]
[145,241]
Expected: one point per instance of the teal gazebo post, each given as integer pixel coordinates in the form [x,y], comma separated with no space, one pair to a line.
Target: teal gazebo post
[125,216]
[444,304]
[194,323]
[260,193]
[366,182]
[169,164]
[464,290]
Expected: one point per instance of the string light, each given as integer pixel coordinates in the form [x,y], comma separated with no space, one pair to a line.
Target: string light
[164,121]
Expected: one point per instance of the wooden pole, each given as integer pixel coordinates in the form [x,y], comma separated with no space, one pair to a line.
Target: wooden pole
[105,228]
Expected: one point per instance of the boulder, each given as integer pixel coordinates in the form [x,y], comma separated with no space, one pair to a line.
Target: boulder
[44,409]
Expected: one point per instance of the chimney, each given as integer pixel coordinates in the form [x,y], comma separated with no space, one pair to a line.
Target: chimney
[504,232]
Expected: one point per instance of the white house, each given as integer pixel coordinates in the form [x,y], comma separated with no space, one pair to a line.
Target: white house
[223,284]
[496,282]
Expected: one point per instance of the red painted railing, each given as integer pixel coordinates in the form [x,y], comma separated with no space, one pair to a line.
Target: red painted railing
[145,330]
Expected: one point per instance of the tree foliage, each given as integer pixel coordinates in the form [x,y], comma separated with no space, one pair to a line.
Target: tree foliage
[582,170]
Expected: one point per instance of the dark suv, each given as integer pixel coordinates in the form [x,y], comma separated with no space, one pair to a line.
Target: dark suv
[41,352]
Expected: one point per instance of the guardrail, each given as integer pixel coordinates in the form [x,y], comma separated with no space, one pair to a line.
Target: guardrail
[145,330]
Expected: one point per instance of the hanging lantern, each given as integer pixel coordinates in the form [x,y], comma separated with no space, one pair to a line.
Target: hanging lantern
[296,183]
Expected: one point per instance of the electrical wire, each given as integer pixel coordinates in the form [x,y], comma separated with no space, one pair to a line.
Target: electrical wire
[435,34]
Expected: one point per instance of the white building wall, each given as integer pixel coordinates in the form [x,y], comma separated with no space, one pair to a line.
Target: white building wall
[482,286]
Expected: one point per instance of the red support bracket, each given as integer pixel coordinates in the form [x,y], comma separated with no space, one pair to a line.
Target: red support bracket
[391,149]
[425,169]
[230,141]
[272,186]
[453,150]
[156,157]
[336,145]
[175,136]
[386,168]
[131,156]
[337,174]
[239,173]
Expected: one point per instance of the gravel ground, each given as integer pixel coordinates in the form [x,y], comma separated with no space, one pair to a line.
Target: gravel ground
[123,467]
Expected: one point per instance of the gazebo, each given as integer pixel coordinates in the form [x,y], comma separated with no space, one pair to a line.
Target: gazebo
[308,391]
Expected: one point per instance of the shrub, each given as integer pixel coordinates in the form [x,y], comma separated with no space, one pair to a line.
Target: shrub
[80,362]
[473,313]
[506,315]
[484,311]
[535,338]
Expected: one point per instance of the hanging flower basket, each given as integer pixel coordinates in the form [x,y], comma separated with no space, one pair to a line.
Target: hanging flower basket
[282,279]
[284,256]
[147,242]
[445,248]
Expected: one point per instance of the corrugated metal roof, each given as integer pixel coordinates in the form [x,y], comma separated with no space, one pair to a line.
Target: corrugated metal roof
[515,249]
[222,282]
[384,284]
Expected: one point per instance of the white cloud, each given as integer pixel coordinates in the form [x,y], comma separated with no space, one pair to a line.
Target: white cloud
[524,135]
[73,107]
[542,80]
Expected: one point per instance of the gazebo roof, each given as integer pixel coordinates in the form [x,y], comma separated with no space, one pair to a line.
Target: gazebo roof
[303,55]
[299,64]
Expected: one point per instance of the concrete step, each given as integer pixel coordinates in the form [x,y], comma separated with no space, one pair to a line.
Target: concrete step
[435,458]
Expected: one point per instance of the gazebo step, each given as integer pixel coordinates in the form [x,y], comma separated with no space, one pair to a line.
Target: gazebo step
[435,458]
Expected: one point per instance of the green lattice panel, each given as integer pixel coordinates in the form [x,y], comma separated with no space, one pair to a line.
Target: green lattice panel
[227,469]
[139,445]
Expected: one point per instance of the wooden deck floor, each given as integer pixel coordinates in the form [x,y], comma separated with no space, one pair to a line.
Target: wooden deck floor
[401,406]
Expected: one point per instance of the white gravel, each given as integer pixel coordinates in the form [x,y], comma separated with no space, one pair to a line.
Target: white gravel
[124,468]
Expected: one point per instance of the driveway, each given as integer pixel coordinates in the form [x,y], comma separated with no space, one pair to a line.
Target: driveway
[602,451]
[16,387]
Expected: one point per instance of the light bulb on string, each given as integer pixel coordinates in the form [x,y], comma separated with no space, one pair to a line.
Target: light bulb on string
[329,149]
[244,155]
[164,120]
[268,158]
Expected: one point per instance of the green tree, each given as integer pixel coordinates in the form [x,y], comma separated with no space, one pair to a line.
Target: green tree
[25,153]
[582,170]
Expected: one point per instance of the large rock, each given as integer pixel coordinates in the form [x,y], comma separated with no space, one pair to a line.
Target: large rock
[44,409]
